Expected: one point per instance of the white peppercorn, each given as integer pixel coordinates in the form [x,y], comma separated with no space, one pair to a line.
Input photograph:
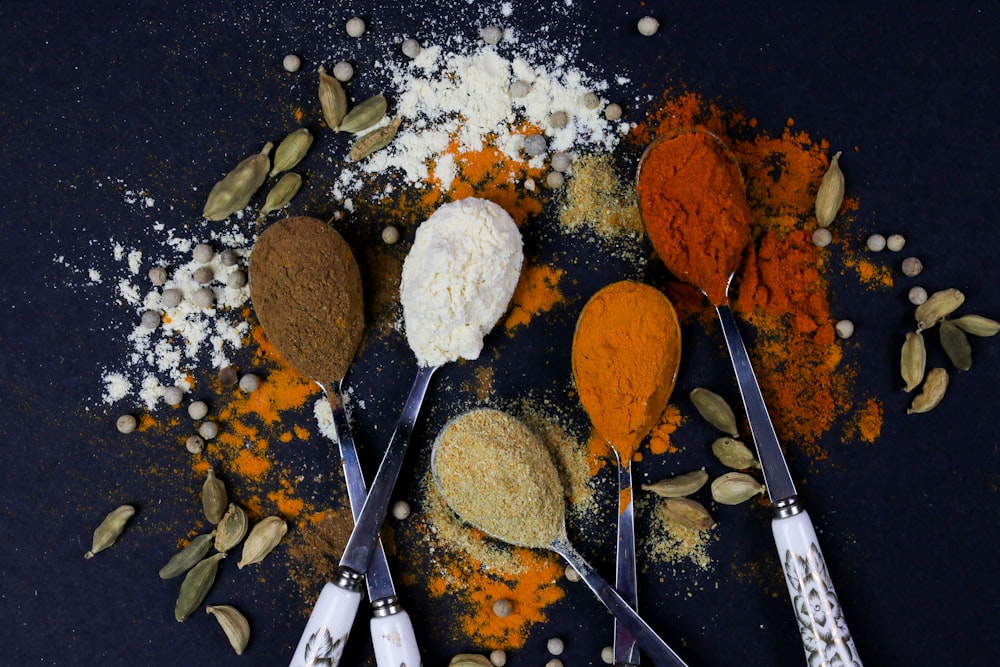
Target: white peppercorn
[343,71]
[648,26]
[917,295]
[411,48]
[503,608]
[355,27]
[208,430]
[822,237]
[895,242]
[149,320]
[498,658]
[519,88]
[390,235]
[876,243]
[194,444]
[561,161]
[228,376]
[554,662]
[198,410]
[171,297]
[126,424]
[400,510]
[157,275]
[608,655]
[555,179]
[534,144]
[237,279]
[555,646]
[492,34]
[203,275]
[249,383]
[204,297]
[173,395]
[559,119]
[912,267]
[203,253]
[572,574]
[291,63]
[228,257]
[844,328]
[613,111]
[591,100]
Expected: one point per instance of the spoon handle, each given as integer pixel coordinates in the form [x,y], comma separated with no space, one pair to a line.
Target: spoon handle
[825,636]
[655,648]
[392,632]
[625,649]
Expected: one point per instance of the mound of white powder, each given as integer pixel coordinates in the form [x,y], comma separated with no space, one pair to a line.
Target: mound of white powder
[458,279]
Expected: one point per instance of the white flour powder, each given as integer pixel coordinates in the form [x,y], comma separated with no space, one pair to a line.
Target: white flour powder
[458,279]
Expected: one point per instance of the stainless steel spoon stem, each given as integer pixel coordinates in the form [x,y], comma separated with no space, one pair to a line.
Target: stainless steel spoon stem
[653,646]
[625,648]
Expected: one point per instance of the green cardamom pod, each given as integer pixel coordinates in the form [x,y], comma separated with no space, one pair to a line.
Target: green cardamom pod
[332,99]
[232,528]
[291,150]
[678,486]
[977,325]
[213,497]
[264,537]
[234,191]
[734,454]
[830,195]
[734,488]
[913,360]
[233,623]
[956,345]
[687,513]
[365,115]
[195,586]
[188,557]
[938,306]
[930,396]
[279,196]
[375,140]
[109,529]
[714,409]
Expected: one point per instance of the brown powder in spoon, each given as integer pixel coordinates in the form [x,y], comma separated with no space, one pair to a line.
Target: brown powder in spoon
[306,291]
[496,474]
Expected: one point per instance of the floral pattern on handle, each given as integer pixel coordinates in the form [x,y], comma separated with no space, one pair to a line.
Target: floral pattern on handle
[825,636]
[322,650]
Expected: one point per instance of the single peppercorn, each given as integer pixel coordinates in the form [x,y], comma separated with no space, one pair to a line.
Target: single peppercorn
[555,646]
[912,267]
[149,320]
[844,328]
[203,253]
[291,63]
[249,383]
[591,100]
[411,48]
[400,510]
[559,119]
[204,297]
[390,235]
[822,237]
[198,410]
[157,276]
[917,295]
[228,257]
[171,297]
[498,658]
[613,111]
[126,424]
[355,27]
[203,275]
[608,655]
[554,662]
[555,179]
[237,279]
[876,243]
[572,574]
[895,242]
[534,144]
[173,395]
[194,444]
[561,161]
[208,430]
[519,89]
[228,376]
[343,71]
[492,34]
[648,26]
[503,608]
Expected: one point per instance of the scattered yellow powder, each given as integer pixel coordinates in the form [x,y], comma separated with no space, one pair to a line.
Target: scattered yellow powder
[537,292]
[659,439]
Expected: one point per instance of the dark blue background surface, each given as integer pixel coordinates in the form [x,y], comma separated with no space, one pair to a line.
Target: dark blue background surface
[163,92]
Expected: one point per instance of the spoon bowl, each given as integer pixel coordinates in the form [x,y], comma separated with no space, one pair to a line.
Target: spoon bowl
[521,502]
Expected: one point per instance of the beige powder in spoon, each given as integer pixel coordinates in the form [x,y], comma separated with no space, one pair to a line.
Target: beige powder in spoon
[496,474]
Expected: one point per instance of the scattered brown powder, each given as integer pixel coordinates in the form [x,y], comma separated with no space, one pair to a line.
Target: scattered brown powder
[598,199]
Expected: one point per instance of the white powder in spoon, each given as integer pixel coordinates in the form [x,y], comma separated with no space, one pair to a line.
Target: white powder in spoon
[458,279]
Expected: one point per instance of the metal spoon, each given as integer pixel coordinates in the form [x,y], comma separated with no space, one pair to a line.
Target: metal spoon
[324,265]
[646,637]
[593,322]
[825,636]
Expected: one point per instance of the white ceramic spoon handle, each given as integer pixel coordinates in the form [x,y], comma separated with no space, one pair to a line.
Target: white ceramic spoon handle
[329,625]
[394,641]
[825,636]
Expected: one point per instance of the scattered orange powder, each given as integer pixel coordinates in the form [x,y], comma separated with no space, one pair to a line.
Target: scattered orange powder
[868,272]
[286,502]
[867,424]
[659,439]
[537,292]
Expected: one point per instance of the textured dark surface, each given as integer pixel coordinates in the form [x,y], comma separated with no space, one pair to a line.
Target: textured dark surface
[166,92]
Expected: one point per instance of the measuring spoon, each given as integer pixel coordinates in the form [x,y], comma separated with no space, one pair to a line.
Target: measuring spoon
[642,353]
[704,166]
[502,480]
[306,291]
